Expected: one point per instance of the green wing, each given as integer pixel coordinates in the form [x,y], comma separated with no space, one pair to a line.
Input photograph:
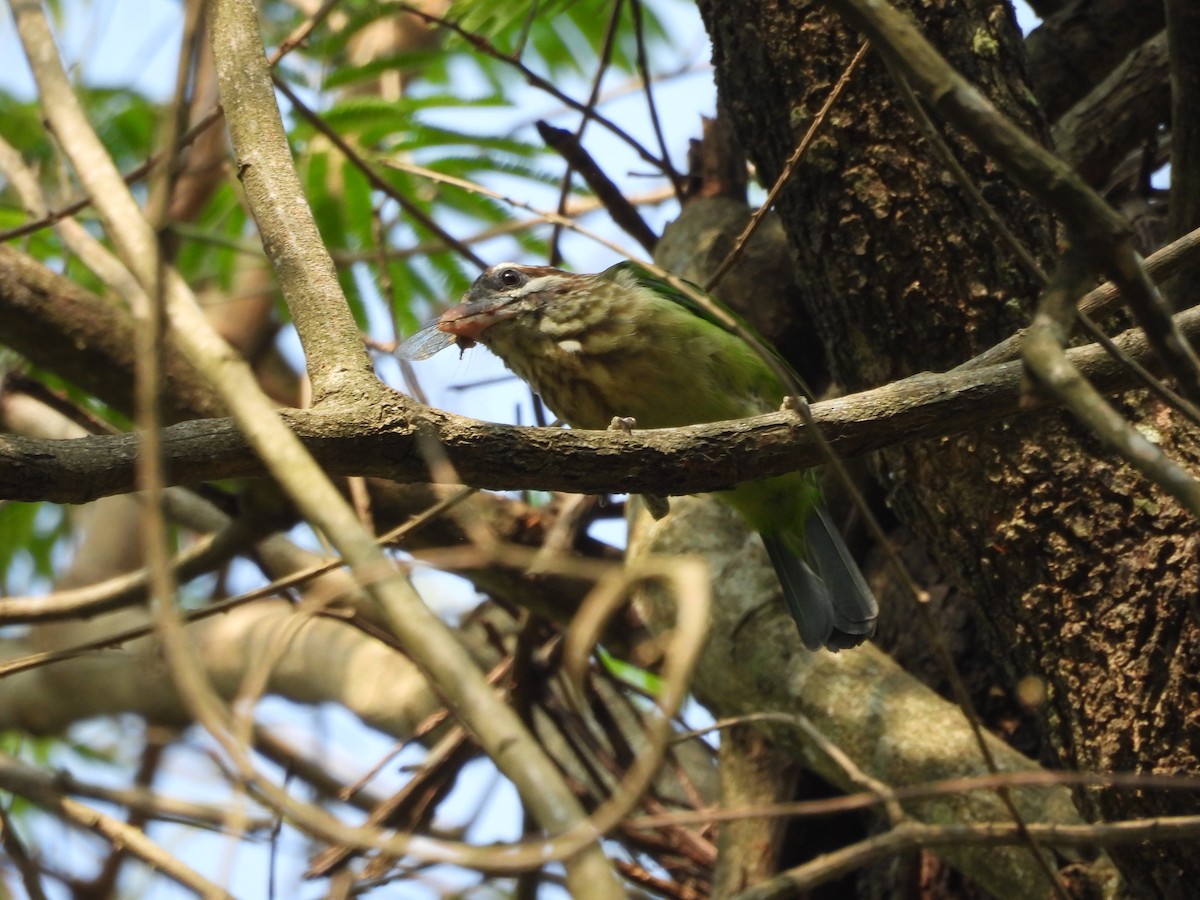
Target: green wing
[647,279]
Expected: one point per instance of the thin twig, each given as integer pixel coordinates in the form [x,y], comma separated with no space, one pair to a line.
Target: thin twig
[589,109]
[114,831]
[131,178]
[20,858]
[739,245]
[639,31]
[910,836]
[624,214]
[380,184]
[487,48]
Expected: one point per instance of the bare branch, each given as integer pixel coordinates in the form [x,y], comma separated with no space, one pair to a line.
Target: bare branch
[33,786]
[672,461]
[1077,46]
[1118,115]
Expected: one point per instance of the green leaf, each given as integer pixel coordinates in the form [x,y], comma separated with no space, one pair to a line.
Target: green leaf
[215,244]
[29,534]
[644,681]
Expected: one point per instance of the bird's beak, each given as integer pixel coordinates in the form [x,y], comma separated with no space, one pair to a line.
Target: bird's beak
[468,321]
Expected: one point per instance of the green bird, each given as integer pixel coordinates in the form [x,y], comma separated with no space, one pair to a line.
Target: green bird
[625,343]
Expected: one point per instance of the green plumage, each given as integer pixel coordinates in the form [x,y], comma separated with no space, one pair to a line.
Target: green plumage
[625,343]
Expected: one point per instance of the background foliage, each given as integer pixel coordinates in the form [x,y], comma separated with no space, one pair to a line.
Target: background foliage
[415,134]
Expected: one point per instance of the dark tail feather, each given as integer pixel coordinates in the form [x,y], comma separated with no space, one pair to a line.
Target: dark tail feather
[854,606]
[807,599]
[834,608]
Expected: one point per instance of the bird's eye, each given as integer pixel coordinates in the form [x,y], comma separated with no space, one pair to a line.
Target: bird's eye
[510,278]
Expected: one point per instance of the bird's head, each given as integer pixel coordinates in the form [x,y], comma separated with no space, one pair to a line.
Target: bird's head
[510,292]
[516,310]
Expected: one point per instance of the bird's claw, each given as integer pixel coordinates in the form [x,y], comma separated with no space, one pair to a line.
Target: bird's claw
[792,403]
[623,423]
[657,506]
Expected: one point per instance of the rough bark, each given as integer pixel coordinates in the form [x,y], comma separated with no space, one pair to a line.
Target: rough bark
[1081,574]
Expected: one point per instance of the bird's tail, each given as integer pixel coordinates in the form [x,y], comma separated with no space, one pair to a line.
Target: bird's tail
[832,606]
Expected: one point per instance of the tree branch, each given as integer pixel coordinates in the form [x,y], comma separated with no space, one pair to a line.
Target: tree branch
[1076,47]
[1118,115]
[892,728]
[678,461]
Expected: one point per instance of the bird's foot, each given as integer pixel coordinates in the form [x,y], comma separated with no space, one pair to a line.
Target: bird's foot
[657,506]
[795,404]
[623,423]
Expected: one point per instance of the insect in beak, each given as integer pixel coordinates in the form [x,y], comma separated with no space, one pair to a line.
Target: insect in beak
[461,324]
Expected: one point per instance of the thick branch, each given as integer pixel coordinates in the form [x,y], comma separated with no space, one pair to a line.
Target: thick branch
[42,314]
[1074,49]
[333,349]
[891,727]
[675,461]
[1119,115]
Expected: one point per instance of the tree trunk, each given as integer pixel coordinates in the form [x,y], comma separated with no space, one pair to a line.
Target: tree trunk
[1081,574]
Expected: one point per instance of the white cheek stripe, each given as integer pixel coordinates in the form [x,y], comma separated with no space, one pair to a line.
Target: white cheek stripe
[536,285]
[570,346]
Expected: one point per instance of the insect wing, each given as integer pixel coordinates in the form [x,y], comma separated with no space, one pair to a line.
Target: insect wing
[425,343]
